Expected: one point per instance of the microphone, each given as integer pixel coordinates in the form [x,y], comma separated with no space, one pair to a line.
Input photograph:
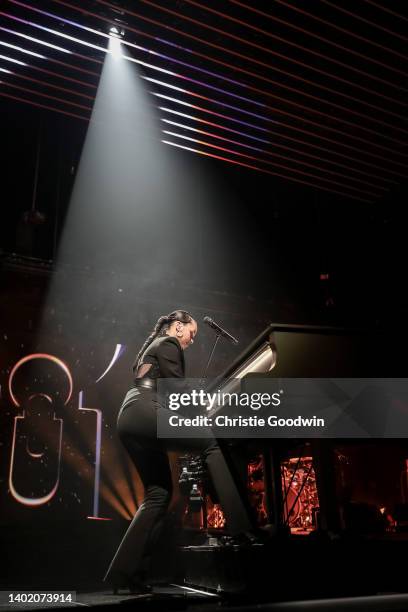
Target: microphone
[219,330]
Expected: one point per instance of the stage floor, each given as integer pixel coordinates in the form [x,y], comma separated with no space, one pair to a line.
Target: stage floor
[176,597]
[167,596]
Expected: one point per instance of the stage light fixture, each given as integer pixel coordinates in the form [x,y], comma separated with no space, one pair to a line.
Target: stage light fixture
[116,31]
[116,34]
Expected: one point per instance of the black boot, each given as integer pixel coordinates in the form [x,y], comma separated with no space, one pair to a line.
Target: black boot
[137,587]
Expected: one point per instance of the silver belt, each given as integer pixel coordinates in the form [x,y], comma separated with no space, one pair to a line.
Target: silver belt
[146,383]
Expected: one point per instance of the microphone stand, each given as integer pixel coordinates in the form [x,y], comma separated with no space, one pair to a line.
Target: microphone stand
[217,337]
[203,491]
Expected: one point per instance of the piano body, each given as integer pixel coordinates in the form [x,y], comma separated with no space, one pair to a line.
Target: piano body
[302,351]
[334,513]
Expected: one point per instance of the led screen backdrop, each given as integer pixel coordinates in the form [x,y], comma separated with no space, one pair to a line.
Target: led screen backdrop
[60,453]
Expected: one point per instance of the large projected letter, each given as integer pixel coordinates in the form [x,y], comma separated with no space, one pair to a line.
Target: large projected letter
[21,430]
[97,451]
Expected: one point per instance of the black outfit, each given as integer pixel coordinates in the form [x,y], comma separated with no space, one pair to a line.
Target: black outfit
[137,429]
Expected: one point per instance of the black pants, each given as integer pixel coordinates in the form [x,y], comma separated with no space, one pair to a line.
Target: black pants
[137,429]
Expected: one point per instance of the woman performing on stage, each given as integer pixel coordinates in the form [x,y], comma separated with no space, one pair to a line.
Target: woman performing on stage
[162,356]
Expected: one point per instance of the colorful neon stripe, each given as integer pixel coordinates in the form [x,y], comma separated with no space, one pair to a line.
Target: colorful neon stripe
[269,163]
[205,133]
[65,78]
[366,21]
[16,48]
[290,139]
[213,101]
[258,62]
[53,60]
[31,38]
[73,92]
[218,102]
[174,111]
[77,25]
[290,127]
[386,9]
[76,116]
[43,95]
[56,33]
[217,125]
[207,86]
[243,98]
[86,44]
[44,106]
[288,114]
[97,47]
[288,24]
[331,25]
[248,72]
[13,61]
[204,110]
[233,161]
[224,33]
[266,152]
[176,135]
[350,111]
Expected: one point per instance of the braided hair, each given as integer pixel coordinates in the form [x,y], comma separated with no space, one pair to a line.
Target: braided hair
[160,329]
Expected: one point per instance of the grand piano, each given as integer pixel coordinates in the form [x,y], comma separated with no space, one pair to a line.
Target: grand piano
[314,490]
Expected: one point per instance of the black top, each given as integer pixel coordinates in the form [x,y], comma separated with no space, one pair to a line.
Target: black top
[166,358]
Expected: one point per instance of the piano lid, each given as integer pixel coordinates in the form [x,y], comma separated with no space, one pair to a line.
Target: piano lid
[261,356]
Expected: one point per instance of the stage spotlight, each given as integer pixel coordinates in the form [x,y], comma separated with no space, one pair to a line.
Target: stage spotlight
[116,34]
[116,31]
